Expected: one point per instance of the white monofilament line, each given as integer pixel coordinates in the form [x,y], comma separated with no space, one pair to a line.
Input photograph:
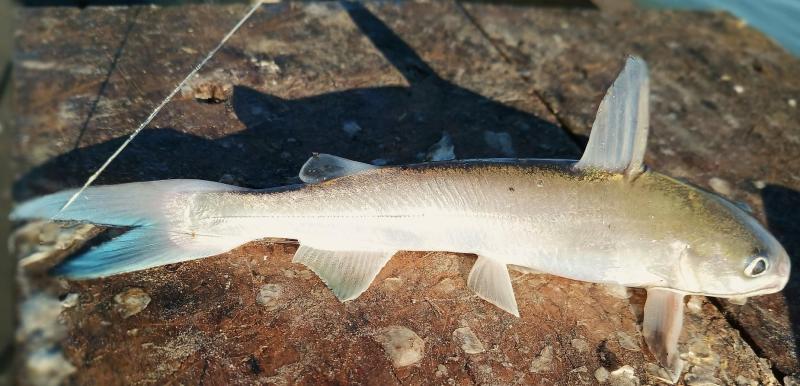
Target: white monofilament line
[163,103]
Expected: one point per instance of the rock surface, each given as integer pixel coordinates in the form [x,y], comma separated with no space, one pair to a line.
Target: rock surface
[371,84]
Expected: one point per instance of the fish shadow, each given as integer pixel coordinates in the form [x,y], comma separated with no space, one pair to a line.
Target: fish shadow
[782,207]
[393,124]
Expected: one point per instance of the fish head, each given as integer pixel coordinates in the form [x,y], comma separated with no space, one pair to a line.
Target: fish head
[730,254]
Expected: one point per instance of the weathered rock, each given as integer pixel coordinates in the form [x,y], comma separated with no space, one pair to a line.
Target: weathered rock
[285,87]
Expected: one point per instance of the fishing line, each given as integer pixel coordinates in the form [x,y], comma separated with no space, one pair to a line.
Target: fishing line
[158,108]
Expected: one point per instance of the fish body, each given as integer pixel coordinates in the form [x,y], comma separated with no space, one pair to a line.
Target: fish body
[605,218]
[538,214]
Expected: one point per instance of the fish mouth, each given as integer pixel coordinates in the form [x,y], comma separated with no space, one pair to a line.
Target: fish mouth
[761,291]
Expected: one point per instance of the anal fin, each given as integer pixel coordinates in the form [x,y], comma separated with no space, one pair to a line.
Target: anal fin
[663,321]
[490,280]
[347,273]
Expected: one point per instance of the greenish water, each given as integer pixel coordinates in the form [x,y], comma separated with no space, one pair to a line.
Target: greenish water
[780,19]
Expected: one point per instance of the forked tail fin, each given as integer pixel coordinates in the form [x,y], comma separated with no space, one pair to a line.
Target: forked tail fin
[154,210]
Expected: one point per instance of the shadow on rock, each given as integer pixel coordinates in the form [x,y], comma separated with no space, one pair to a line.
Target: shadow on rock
[392,124]
[782,206]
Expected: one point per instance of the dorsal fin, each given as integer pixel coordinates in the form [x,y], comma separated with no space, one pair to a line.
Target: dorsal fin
[323,167]
[619,133]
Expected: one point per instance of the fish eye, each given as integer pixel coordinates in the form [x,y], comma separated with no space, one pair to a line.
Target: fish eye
[757,267]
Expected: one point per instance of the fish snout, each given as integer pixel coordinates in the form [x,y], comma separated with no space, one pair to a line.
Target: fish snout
[783,270]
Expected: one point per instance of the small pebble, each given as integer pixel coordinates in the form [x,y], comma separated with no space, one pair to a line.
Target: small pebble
[792,380]
[269,294]
[500,142]
[444,150]
[617,291]
[741,380]
[69,301]
[581,345]
[269,66]
[624,376]
[392,283]
[351,128]
[739,89]
[601,374]
[131,302]
[445,286]
[542,361]
[403,346]
[695,304]
[469,341]
[627,342]
[792,103]
[720,186]
[738,301]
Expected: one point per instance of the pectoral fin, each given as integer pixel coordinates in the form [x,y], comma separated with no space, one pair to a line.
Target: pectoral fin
[663,320]
[490,280]
[347,273]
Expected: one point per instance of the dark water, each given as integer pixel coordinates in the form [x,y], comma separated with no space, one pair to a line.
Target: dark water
[779,19]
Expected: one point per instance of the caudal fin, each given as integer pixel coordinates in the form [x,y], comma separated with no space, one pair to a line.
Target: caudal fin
[131,204]
[153,209]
